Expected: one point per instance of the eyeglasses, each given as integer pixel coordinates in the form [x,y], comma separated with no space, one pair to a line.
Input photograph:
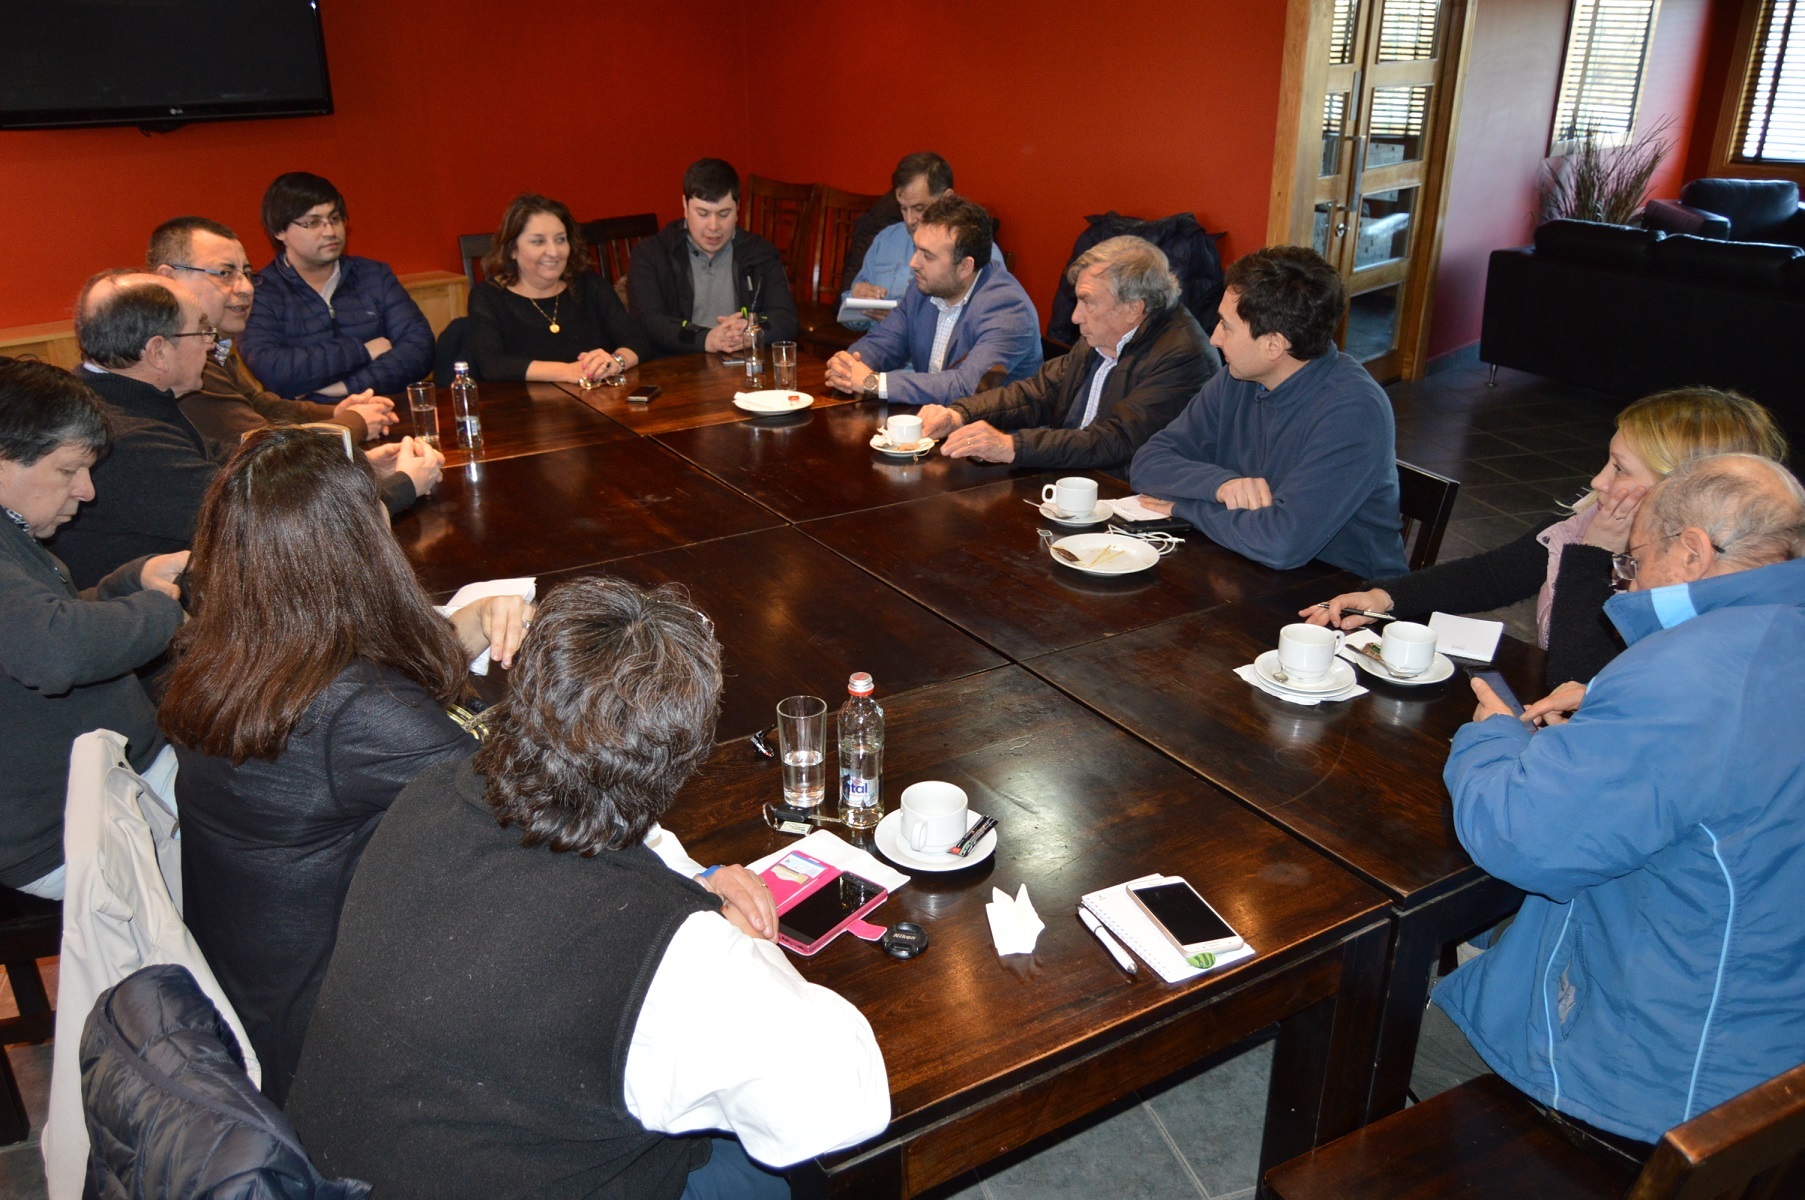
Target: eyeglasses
[312,223]
[208,334]
[226,275]
[1624,566]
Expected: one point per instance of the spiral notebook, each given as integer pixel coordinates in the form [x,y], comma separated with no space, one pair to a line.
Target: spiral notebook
[1116,909]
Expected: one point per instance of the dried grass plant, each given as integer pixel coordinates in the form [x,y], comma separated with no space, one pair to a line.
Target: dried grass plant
[1604,183]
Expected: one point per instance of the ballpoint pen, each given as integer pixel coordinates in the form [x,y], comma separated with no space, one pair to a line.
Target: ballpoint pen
[1109,942]
[1360,612]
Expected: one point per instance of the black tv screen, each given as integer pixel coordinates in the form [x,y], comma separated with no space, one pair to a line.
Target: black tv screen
[159,63]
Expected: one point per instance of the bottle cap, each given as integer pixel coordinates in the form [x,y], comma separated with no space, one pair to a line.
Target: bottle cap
[860,684]
[460,366]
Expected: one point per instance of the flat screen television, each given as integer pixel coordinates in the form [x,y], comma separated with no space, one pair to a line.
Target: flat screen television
[159,63]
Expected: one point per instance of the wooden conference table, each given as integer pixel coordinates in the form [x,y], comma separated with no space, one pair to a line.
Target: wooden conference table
[1098,718]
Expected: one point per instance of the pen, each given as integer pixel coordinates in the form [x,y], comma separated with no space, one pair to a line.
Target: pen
[1360,612]
[1109,942]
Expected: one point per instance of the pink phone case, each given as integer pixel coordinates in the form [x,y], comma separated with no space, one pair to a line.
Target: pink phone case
[795,877]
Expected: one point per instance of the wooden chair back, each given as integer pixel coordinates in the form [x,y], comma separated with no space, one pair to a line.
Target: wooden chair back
[1750,1147]
[1425,502]
[613,239]
[780,213]
[829,235]
[472,247]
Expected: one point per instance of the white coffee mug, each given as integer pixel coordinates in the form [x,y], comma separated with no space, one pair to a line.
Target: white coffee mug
[1305,651]
[1407,648]
[1072,496]
[933,816]
[903,430]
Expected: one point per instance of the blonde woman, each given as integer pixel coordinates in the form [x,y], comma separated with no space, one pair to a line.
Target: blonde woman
[1566,561]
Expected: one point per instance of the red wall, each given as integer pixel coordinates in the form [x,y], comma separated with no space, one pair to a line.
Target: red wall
[1507,111]
[486,107]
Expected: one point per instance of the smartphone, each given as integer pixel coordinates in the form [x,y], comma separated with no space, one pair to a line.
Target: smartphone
[1496,682]
[813,921]
[643,394]
[1185,918]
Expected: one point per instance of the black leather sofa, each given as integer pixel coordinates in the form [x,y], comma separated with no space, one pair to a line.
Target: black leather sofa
[1737,210]
[1633,311]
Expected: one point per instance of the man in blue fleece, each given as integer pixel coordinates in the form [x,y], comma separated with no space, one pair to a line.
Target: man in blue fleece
[1653,971]
[1289,454]
[327,323]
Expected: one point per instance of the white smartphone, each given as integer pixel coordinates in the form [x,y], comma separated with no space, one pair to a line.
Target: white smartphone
[1185,918]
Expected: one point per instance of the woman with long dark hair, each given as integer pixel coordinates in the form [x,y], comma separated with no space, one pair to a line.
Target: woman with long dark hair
[309,688]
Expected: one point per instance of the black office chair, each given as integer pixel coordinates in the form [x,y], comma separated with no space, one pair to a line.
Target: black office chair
[30,929]
[1425,501]
[471,248]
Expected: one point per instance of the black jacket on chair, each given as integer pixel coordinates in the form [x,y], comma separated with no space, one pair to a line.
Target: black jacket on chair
[171,1113]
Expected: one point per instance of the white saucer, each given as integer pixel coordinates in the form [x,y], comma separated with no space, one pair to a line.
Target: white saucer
[1340,677]
[1442,668]
[882,445]
[1135,555]
[889,840]
[1102,512]
[772,400]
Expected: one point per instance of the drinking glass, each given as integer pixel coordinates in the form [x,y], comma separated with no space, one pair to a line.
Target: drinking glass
[802,745]
[783,365]
[423,403]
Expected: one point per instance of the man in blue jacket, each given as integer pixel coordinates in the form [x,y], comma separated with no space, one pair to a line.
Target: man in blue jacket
[326,323]
[1288,454]
[1654,969]
[965,315]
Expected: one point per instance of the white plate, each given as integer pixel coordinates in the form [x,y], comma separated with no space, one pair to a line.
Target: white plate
[1102,512]
[1135,555]
[1442,668]
[890,841]
[1340,678]
[883,446]
[772,400]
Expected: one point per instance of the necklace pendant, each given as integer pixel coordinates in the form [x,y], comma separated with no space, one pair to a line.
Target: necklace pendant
[554,327]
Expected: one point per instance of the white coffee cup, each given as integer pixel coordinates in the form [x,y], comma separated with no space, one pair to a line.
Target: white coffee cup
[1305,651]
[933,816]
[1072,496]
[1407,648]
[903,430]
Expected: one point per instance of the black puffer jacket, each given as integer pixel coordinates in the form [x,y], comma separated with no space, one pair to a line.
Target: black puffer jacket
[1190,250]
[171,1113]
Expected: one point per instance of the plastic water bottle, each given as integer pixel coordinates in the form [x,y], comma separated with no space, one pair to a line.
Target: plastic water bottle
[463,408]
[861,755]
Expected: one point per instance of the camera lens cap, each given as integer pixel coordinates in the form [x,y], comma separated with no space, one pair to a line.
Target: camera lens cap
[905,939]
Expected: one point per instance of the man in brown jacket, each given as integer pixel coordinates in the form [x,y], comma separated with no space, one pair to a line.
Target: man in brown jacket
[206,259]
[1140,357]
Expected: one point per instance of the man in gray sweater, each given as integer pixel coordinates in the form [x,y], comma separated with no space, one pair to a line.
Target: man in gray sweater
[66,657]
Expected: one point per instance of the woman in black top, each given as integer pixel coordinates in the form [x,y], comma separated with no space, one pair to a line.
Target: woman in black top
[542,313]
[309,688]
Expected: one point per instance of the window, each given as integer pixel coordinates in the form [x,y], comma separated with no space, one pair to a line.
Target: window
[1771,124]
[1601,79]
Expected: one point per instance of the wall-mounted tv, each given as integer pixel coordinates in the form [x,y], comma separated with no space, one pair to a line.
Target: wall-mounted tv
[159,63]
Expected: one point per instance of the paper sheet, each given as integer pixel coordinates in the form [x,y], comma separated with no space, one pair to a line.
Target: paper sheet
[835,851]
[855,309]
[1466,637]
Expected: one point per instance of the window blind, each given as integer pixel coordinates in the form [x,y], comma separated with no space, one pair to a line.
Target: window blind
[1601,79]
[1772,126]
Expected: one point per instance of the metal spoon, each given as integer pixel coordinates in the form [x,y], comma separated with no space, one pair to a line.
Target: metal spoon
[1058,551]
[1372,651]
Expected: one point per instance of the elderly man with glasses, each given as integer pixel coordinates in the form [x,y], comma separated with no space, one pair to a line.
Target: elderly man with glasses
[327,323]
[1653,970]
[207,259]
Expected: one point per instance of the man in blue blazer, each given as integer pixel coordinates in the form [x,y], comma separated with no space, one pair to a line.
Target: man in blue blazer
[965,315]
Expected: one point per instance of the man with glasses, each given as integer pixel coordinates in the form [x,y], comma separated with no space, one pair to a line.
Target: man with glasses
[206,258]
[878,260]
[327,323]
[1653,970]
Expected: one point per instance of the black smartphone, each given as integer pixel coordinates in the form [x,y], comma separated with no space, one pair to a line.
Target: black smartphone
[1495,681]
[643,394]
[826,909]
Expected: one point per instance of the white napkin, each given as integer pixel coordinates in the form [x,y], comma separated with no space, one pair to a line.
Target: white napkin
[1252,676]
[1130,508]
[1466,637]
[1014,925]
[470,593]
[835,851]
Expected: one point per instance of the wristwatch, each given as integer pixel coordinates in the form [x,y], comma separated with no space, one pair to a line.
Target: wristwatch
[870,386]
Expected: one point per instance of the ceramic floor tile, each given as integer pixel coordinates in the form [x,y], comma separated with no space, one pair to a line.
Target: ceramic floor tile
[1216,1116]
[22,1172]
[967,1187]
[1124,1156]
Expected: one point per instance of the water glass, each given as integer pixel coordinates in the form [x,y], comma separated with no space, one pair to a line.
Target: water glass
[783,365]
[423,403]
[802,746]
